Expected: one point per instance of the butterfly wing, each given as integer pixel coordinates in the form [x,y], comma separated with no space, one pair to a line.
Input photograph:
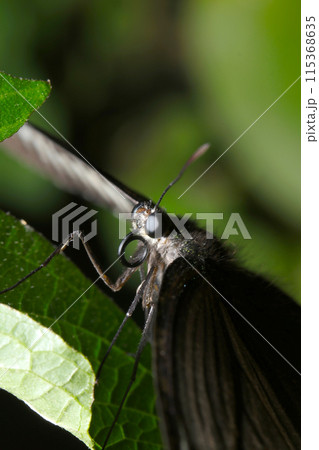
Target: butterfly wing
[70,172]
[220,384]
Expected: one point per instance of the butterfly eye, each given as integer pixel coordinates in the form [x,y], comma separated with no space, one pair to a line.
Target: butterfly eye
[153,225]
[139,256]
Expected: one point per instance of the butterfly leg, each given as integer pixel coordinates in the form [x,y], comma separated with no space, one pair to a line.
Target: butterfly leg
[141,345]
[138,296]
[57,251]
[141,272]
[116,286]
[122,279]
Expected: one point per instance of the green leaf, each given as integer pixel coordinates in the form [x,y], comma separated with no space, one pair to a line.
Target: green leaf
[18,99]
[52,378]
[87,321]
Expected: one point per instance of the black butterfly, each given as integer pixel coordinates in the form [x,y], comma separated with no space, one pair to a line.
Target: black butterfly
[226,342]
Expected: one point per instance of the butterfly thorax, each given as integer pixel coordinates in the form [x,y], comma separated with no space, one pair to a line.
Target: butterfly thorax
[165,243]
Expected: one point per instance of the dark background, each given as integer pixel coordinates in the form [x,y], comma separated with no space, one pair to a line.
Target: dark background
[137,87]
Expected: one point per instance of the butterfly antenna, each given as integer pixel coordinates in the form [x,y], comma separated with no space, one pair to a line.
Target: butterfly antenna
[199,152]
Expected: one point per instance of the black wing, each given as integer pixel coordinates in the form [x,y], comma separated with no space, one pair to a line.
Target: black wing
[220,385]
[68,171]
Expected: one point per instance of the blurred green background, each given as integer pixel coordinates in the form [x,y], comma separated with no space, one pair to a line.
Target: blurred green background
[138,86]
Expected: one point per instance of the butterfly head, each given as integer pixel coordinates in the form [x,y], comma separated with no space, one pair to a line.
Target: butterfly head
[150,224]
[150,221]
